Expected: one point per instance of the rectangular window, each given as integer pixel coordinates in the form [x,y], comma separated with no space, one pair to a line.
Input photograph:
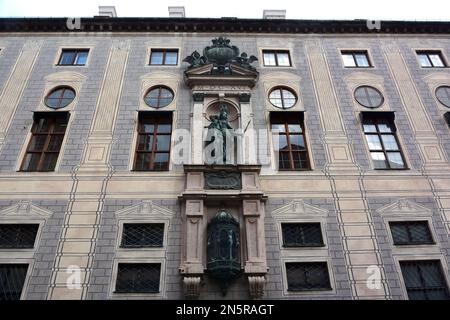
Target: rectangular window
[302,235]
[12,279]
[424,280]
[307,276]
[153,141]
[164,57]
[411,232]
[47,136]
[381,138]
[18,236]
[141,235]
[73,57]
[431,59]
[355,59]
[289,140]
[138,277]
[276,58]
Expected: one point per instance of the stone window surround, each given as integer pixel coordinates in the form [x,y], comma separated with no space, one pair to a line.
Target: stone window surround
[434,81]
[156,79]
[27,139]
[72,47]
[441,50]
[401,144]
[412,247]
[290,50]
[23,212]
[415,257]
[303,251]
[162,287]
[295,294]
[274,160]
[149,53]
[360,49]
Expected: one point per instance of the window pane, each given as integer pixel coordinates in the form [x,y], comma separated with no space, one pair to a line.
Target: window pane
[164,128]
[389,142]
[423,59]
[12,279]
[374,142]
[67,58]
[348,60]
[161,161]
[162,143]
[31,161]
[269,59]
[148,128]
[171,57]
[143,161]
[395,160]
[156,57]
[436,60]
[42,125]
[288,98]
[379,160]
[278,128]
[283,59]
[145,142]
[282,140]
[369,128]
[297,142]
[361,60]
[295,128]
[68,94]
[81,58]
[284,162]
[55,143]
[49,161]
[300,160]
[385,127]
[37,143]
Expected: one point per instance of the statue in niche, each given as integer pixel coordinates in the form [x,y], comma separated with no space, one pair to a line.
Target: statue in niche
[220,122]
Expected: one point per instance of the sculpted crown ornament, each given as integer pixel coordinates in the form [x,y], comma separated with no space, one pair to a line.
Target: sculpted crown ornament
[221,54]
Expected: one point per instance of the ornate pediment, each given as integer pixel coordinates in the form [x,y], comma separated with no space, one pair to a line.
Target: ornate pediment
[145,209]
[298,208]
[25,209]
[404,206]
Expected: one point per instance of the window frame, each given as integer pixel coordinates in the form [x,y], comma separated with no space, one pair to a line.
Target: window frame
[136,292]
[164,52]
[147,247]
[287,133]
[36,237]
[371,88]
[408,222]
[159,88]
[427,53]
[281,88]
[376,120]
[317,245]
[49,134]
[76,51]
[353,53]
[275,52]
[64,88]
[147,115]
[326,261]
[26,261]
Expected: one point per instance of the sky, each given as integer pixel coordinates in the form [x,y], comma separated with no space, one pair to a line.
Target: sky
[296,9]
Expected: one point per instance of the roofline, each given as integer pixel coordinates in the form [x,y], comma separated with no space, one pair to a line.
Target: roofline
[223,25]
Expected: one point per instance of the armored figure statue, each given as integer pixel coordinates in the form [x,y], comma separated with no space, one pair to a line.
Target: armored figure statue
[220,122]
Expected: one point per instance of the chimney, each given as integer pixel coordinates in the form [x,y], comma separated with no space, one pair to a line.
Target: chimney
[176,12]
[107,11]
[274,14]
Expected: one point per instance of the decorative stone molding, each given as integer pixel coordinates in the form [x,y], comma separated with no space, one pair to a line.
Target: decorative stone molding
[404,207]
[434,81]
[256,286]
[26,210]
[145,209]
[153,79]
[289,80]
[298,208]
[191,287]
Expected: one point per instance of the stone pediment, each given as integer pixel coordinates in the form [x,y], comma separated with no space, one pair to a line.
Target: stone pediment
[25,209]
[205,75]
[145,209]
[404,206]
[298,208]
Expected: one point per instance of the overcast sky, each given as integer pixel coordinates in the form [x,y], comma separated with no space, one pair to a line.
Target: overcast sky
[296,9]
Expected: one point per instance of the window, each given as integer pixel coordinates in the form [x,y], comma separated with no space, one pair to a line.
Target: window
[12,279]
[411,232]
[282,98]
[60,97]
[18,236]
[382,141]
[302,235]
[164,57]
[431,59]
[276,58]
[138,277]
[153,141]
[289,140]
[356,59]
[73,57]
[443,95]
[307,276]
[140,235]
[424,280]
[369,97]
[158,97]
[46,140]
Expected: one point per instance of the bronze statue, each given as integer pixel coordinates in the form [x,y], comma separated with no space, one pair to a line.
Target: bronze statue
[220,122]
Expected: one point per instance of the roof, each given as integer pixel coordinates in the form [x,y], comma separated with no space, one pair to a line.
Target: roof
[227,25]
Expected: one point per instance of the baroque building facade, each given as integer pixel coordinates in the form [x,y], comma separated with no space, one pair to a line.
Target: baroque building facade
[336,185]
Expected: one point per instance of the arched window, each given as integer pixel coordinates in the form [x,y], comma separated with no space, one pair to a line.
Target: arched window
[282,98]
